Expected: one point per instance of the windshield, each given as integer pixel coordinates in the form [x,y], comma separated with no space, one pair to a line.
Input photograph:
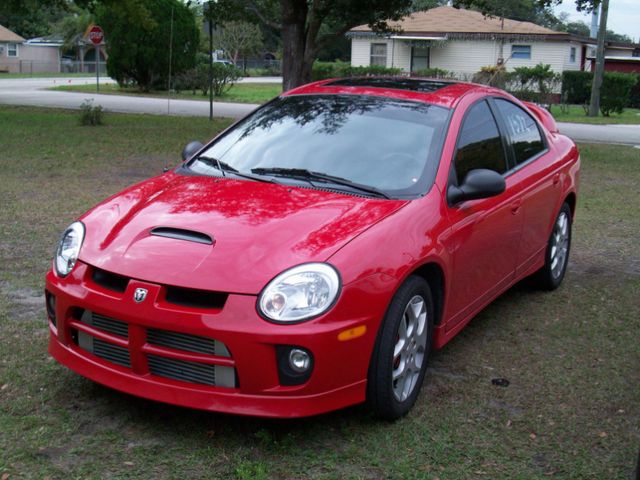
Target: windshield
[391,145]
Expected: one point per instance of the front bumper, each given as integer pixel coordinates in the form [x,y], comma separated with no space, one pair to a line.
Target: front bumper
[340,367]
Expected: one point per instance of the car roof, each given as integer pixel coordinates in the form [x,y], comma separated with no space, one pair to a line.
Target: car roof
[445,93]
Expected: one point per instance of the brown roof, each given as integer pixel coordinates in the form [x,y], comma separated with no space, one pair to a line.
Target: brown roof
[453,20]
[7,35]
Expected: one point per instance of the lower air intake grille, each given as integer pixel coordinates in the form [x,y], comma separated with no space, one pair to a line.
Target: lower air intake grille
[107,324]
[104,350]
[192,372]
[189,343]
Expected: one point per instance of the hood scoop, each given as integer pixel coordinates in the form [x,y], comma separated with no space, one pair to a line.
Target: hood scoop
[182,234]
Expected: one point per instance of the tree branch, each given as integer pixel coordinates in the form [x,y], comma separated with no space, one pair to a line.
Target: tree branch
[330,37]
[253,7]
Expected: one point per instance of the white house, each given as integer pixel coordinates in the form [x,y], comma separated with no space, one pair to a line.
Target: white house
[463,41]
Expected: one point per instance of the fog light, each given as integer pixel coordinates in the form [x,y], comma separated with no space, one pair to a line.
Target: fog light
[50,302]
[299,360]
[295,364]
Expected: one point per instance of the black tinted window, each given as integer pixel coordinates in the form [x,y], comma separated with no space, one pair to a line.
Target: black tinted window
[390,144]
[523,131]
[479,145]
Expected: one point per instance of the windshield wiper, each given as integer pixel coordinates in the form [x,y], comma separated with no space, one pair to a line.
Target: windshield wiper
[225,167]
[309,175]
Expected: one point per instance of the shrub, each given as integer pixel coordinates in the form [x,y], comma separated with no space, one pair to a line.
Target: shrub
[535,84]
[90,115]
[433,73]
[616,92]
[634,98]
[576,87]
[322,70]
[224,76]
[494,75]
[194,79]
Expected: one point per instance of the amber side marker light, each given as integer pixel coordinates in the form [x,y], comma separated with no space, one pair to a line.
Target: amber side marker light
[352,333]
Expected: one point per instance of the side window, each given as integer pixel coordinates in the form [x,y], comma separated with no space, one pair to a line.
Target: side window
[479,144]
[523,131]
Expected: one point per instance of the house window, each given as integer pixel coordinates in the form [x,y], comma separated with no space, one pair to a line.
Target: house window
[419,58]
[12,50]
[521,51]
[379,54]
[572,55]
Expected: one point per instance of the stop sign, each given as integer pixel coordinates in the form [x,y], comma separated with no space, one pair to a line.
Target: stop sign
[96,35]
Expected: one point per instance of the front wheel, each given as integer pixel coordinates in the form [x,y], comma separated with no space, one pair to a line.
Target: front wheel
[399,359]
[550,276]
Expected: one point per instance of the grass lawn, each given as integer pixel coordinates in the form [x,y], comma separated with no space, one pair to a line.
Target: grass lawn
[239,93]
[44,75]
[576,115]
[572,357]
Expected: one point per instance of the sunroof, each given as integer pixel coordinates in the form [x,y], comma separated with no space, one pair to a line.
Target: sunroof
[415,84]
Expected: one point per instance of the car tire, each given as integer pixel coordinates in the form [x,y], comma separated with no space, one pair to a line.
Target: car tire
[399,359]
[550,276]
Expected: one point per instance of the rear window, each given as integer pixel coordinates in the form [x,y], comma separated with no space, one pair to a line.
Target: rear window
[392,145]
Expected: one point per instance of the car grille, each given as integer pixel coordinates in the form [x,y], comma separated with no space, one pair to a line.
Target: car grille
[162,362]
[112,353]
[189,343]
[186,297]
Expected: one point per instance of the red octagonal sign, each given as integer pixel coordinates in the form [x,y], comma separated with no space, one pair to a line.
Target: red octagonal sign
[96,35]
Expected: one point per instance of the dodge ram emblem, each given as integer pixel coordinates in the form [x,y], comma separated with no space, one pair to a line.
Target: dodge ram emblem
[140,294]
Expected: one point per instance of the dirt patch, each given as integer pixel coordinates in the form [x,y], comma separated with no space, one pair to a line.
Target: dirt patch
[27,301]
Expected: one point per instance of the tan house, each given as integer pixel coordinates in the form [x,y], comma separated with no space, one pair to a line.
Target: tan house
[462,41]
[18,55]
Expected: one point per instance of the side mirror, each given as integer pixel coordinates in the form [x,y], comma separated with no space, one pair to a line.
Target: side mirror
[191,149]
[479,183]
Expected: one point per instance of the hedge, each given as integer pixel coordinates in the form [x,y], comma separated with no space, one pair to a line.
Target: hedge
[616,92]
[576,87]
[322,70]
[619,90]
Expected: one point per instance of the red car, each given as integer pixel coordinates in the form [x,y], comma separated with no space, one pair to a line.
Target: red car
[313,254]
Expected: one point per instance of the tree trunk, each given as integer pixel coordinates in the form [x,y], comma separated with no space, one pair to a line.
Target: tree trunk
[598,75]
[296,66]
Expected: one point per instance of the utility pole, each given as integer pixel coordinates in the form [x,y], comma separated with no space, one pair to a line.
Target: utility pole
[170,60]
[209,15]
[210,63]
[598,75]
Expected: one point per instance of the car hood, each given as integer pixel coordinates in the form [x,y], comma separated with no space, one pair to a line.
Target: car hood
[258,230]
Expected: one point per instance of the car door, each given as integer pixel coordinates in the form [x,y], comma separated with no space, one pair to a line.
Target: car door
[534,168]
[484,233]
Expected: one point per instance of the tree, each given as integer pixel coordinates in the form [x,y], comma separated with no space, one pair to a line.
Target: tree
[301,24]
[421,5]
[72,27]
[522,10]
[238,39]
[140,38]
[31,18]
[594,104]
[582,29]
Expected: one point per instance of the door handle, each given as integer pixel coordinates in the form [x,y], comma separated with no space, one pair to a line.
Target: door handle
[556,179]
[515,206]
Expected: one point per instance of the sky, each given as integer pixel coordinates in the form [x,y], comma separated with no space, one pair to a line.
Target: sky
[624,16]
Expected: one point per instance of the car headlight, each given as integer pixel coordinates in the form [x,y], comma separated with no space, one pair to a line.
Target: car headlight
[300,293]
[69,249]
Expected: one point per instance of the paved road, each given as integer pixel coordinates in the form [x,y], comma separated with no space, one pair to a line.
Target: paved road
[621,134]
[32,91]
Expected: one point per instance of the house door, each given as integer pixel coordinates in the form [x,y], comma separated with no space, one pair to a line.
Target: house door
[419,58]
